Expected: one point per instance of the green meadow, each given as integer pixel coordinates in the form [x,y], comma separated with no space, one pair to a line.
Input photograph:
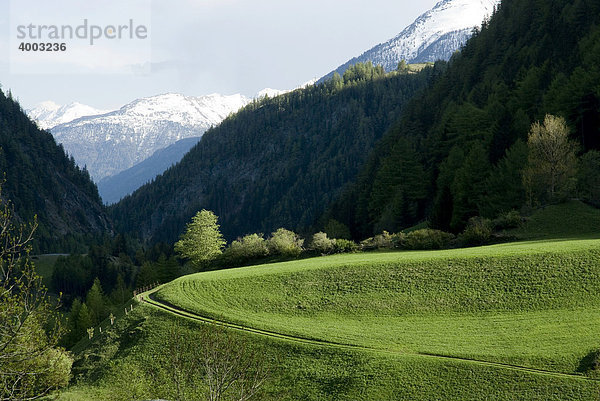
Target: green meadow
[511,321]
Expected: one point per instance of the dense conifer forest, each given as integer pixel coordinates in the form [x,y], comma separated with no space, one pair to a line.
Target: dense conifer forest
[277,163]
[40,179]
[459,148]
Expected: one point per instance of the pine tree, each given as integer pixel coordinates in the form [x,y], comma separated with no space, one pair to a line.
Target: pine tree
[73,334]
[95,302]
[121,293]
[146,275]
[84,321]
[468,187]
[504,187]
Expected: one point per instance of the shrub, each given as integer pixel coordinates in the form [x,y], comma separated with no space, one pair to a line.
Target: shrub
[321,243]
[511,219]
[398,240]
[590,364]
[335,229]
[285,242]
[478,232]
[385,240]
[344,246]
[250,247]
[427,238]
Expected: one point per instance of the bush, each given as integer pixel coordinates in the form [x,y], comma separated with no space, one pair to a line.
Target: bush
[344,246]
[381,241]
[322,244]
[285,242]
[508,220]
[250,247]
[335,229]
[590,364]
[478,232]
[427,238]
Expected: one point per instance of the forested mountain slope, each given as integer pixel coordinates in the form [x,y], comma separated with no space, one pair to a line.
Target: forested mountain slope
[278,162]
[41,180]
[459,148]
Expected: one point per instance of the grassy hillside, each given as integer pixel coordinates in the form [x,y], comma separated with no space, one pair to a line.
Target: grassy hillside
[509,321]
[573,219]
[128,363]
[533,304]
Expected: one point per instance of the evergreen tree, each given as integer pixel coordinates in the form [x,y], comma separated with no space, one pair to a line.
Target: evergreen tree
[121,293]
[84,321]
[588,177]
[468,187]
[73,334]
[146,275]
[166,269]
[95,303]
[504,186]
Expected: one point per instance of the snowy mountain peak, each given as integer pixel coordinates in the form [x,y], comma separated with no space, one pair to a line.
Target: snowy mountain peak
[204,110]
[111,142]
[269,92]
[49,114]
[435,35]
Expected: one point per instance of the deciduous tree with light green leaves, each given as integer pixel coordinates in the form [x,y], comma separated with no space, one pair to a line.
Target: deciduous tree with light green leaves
[202,240]
[552,162]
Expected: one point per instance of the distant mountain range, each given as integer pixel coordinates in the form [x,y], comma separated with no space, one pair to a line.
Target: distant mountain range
[126,148]
[109,143]
[49,114]
[435,35]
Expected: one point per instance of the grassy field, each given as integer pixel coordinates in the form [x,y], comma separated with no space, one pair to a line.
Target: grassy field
[44,266]
[127,363]
[533,304]
[513,321]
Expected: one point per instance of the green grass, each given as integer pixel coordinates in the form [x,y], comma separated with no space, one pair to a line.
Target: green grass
[126,364]
[418,325]
[44,266]
[573,219]
[534,304]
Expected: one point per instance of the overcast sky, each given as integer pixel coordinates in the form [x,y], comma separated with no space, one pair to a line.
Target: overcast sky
[206,46]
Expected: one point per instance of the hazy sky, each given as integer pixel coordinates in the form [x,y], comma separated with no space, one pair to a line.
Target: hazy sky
[225,46]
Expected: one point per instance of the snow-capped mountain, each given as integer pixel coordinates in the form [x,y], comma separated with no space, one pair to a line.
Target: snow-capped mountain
[49,114]
[112,142]
[270,92]
[435,35]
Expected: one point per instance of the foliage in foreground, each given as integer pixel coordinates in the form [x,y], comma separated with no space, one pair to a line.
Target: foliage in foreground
[31,365]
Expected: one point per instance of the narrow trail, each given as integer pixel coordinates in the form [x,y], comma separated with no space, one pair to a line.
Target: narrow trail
[148,298]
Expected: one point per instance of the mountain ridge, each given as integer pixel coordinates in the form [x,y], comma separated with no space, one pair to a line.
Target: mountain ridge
[434,35]
[112,142]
